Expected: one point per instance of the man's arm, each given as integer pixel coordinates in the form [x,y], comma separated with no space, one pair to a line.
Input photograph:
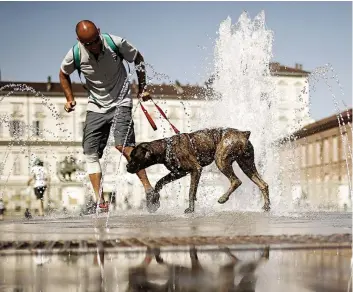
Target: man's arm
[140,72]
[65,82]
[141,76]
[131,54]
[67,67]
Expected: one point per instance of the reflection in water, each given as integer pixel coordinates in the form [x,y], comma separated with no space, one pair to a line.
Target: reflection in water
[195,269]
[196,277]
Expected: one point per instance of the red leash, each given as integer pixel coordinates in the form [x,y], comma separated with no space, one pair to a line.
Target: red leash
[149,118]
[152,123]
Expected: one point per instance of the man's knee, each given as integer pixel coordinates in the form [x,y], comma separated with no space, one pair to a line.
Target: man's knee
[119,147]
[127,149]
[92,162]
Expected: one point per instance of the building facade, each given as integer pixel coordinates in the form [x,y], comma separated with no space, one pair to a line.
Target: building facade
[321,172]
[34,124]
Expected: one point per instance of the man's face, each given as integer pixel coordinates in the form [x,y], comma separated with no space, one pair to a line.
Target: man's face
[93,43]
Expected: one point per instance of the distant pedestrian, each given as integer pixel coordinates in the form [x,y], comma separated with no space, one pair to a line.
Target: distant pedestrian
[41,180]
[2,209]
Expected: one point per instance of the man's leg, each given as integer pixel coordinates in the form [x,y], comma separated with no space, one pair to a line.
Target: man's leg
[95,137]
[95,179]
[39,192]
[41,207]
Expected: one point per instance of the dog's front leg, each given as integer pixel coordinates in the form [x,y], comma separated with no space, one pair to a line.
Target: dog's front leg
[195,178]
[170,177]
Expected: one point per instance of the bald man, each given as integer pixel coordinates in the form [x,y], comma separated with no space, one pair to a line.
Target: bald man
[109,95]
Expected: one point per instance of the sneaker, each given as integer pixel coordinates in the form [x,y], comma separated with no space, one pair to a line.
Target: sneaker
[153,203]
[103,207]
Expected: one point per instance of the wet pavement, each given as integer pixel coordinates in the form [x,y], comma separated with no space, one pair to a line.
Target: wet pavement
[228,251]
[131,225]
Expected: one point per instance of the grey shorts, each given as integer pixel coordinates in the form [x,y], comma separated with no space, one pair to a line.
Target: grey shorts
[97,128]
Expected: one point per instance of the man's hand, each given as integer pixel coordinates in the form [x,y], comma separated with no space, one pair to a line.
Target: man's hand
[70,106]
[144,96]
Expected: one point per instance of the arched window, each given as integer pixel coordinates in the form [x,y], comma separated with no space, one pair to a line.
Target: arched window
[299,89]
[282,88]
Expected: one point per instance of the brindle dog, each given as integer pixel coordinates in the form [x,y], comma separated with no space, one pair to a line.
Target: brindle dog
[189,153]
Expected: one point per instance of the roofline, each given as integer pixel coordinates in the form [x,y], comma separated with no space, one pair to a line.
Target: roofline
[322,125]
[291,74]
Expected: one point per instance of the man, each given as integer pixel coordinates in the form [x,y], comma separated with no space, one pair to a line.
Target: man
[109,94]
[41,181]
[2,210]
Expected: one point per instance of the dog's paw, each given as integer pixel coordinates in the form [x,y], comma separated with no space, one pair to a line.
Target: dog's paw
[266,208]
[222,200]
[188,211]
[153,207]
[153,203]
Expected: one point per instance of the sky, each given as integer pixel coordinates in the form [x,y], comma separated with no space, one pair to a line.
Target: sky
[176,38]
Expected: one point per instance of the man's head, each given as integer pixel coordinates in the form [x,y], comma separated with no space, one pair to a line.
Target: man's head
[89,35]
[38,162]
[141,157]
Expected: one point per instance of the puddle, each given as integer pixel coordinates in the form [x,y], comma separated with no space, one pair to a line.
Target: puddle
[179,269]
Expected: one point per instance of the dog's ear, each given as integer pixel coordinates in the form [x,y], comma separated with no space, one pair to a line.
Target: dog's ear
[146,148]
[147,155]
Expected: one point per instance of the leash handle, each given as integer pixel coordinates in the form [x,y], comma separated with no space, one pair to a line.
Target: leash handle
[164,116]
[149,118]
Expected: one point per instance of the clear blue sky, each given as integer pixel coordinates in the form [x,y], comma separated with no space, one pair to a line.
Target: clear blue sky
[176,37]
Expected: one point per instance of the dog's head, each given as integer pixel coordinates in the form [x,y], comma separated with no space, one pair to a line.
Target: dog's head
[141,157]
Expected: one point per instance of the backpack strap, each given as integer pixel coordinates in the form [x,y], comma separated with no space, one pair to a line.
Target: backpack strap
[77,58]
[114,47]
[77,62]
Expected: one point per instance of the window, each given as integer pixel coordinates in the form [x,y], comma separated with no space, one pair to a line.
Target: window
[16,164]
[303,158]
[38,108]
[16,128]
[326,151]
[297,154]
[344,147]
[299,90]
[37,128]
[318,153]
[283,120]
[17,106]
[310,154]
[282,87]
[335,149]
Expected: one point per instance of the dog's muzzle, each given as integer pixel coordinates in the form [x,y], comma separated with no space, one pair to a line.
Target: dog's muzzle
[131,168]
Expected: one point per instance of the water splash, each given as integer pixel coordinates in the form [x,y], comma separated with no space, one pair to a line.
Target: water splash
[245,97]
